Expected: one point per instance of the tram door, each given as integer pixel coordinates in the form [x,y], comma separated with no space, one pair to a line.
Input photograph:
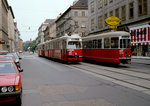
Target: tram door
[63,49]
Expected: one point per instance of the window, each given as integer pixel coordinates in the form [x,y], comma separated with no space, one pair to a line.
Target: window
[76,13]
[131,10]
[124,43]
[89,44]
[83,13]
[92,25]
[94,43]
[123,13]
[106,43]
[83,25]
[100,4]
[74,44]
[105,2]
[7,68]
[111,13]
[114,42]
[92,7]
[142,7]
[117,12]
[110,1]
[99,43]
[100,22]
[105,16]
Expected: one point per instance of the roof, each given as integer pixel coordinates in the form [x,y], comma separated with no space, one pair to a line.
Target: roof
[81,4]
[107,34]
[11,10]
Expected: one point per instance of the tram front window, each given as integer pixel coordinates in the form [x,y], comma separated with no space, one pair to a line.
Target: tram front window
[124,43]
[74,44]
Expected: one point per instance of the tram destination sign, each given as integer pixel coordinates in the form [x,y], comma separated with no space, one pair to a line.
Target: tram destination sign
[112,20]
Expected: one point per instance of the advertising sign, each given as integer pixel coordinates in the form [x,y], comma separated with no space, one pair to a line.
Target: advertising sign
[112,20]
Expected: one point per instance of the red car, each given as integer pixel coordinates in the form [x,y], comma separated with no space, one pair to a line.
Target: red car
[10,82]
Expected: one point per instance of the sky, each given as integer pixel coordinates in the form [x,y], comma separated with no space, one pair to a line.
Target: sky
[30,14]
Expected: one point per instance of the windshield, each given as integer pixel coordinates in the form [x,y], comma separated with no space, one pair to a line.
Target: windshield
[74,44]
[6,58]
[124,43]
[7,68]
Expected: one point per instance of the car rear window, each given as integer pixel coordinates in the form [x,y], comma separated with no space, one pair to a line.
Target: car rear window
[7,68]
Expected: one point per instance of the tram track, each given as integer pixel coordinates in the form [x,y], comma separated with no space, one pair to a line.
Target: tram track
[128,72]
[130,81]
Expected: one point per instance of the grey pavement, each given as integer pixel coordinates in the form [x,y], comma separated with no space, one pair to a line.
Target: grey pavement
[140,59]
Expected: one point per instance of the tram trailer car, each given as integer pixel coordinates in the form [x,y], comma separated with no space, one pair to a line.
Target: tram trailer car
[41,49]
[66,48]
[111,47]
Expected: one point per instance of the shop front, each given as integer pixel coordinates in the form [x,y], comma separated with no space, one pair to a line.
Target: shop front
[140,40]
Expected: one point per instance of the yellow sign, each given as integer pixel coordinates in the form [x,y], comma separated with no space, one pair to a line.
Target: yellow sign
[113,27]
[112,20]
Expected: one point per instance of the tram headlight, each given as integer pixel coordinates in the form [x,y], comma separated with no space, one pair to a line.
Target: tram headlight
[75,54]
[4,89]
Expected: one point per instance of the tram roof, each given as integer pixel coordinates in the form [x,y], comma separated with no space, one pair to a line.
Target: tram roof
[65,37]
[107,34]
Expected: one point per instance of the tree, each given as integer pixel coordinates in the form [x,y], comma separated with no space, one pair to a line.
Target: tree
[32,46]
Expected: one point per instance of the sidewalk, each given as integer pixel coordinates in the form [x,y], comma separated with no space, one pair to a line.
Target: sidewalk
[141,60]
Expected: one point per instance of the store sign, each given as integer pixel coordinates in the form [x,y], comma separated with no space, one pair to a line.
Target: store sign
[112,20]
[2,42]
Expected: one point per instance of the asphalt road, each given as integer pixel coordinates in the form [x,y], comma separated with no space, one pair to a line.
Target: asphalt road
[51,83]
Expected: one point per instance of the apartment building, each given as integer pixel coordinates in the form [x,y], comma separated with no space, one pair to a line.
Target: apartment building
[11,31]
[4,24]
[134,16]
[73,20]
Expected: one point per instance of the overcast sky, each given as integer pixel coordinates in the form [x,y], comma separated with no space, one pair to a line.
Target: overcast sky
[29,14]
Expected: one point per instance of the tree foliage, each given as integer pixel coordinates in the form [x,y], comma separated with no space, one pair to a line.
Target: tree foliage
[32,46]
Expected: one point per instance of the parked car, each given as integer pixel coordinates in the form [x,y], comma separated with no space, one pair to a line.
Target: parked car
[10,82]
[11,57]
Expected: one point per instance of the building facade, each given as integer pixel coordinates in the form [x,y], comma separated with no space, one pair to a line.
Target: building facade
[134,16]
[47,35]
[11,31]
[52,30]
[73,20]
[4,24]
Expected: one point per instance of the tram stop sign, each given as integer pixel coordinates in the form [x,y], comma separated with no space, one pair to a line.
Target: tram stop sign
[112,21]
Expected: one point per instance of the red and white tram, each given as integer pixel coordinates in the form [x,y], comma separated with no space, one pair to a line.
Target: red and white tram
[112,47]
[41,49]
[66,48]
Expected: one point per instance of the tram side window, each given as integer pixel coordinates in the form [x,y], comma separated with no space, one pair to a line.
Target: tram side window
[100,43]
[114,42]
[106,43]
[89,44]
[124,43]
[94,43]
[84,45]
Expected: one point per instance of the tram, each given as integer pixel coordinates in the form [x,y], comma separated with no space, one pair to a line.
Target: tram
[111,47]
[41,49]
[65,48]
